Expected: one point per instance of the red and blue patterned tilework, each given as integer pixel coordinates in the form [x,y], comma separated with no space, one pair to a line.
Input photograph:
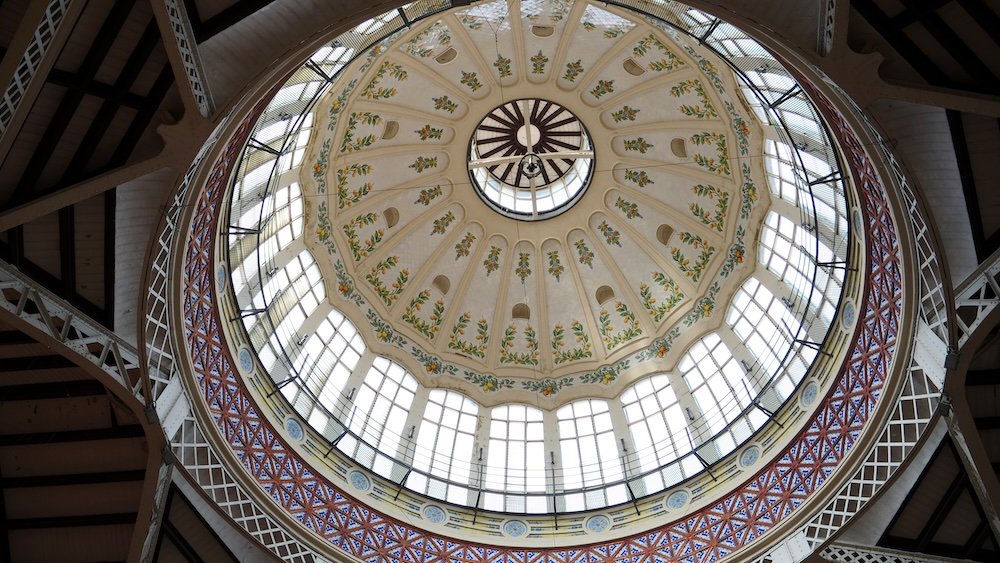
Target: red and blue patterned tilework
[735,521]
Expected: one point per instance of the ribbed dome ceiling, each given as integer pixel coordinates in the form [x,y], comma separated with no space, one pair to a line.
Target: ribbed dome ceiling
[572,305]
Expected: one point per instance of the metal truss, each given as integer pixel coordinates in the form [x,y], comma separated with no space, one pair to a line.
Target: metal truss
[28,301]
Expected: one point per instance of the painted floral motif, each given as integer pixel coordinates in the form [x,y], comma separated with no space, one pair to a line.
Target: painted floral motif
[339,104]
[720,166]
[471,22]
[602,88]
[390,294]
[605,375]
[639,145]
[674,296]
[523,269]
[547,387]
[639,177]
[704,110]
[737,253]
[749,191]
[630,330]
[323,227]
[424,163]
[476,349]
[427,195]
[704,307]
[659,347]
[538,62]
[611,235]
[433,364]
[464,246]
[471,80]
[502,64]
[717,220]
[588,26]
[442,222]
[375,92]
[358,249]
[345,199]
[613,32]
[489,383]
[321,166]
[583,252]
[445,103]
[556,267]
[629,208]
[384,331]
[418,47]
[510,356]
[345,284]
[573,70]
[350,144]
[668,62]
[429,328]
[695,269]
[561,354]
[427,132]
[742,128]
[625,114]
[492,262]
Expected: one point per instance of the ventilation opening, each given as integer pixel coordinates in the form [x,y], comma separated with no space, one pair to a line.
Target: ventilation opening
[447,56]
[442,284]
[663,234]
[542,30]
[679,148]
[604,294]
[391,216]
[391,128]
[521,311]
[633,67]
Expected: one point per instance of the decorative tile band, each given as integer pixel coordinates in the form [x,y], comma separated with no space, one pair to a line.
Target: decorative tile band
[735,521]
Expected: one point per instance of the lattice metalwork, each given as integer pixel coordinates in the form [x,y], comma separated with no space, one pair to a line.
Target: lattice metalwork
[976,298]
[44,34]
[848,553]
[40,308]
[828,25]
[189,56]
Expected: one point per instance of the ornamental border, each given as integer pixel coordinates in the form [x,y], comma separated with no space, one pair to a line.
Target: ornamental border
[730,524]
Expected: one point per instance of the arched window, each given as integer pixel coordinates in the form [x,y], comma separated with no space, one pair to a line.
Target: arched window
[517,457]
[445,443]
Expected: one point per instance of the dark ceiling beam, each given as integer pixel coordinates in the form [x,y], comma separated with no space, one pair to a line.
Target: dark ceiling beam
[964,55]
[28,363]
[967,177]
[987,422]
[959,485]
[110,243]
[84,520]
[72,81]
[143,49]
[899,41]
[983,377]
[4,529]
[89,435]
[11,337]
[97,478]
[227,18]
[57,390]
[143,118]
[67,252]
[71,101]
[984,16]
[916,11]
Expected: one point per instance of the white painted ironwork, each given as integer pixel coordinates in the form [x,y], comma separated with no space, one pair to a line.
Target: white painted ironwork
[27,300]
[976,297]
[828,27]
[187,48]
[30,61]
[848,553]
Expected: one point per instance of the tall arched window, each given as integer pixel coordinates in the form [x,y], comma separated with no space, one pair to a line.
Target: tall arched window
[517,459]
[445,443]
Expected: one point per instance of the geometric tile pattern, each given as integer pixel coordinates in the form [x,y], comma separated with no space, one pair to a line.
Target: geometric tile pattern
[735,521]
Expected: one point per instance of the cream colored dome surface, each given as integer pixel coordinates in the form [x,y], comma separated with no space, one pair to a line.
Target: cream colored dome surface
[421,186]
[670,358]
